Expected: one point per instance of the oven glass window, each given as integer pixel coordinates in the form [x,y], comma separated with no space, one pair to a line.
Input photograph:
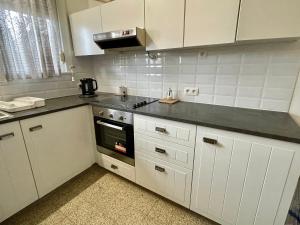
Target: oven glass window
[118,137]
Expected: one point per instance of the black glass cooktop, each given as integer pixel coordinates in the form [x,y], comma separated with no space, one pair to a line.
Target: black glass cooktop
[126,102]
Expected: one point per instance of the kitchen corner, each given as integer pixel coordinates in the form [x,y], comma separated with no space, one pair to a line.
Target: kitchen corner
[149,112]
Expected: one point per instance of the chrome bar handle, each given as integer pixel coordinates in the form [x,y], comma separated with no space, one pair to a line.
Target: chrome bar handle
[160,150]
[109,125]
[35,128]
[8,135]
[114,167]
[210,141]
[161,130]
[160,169]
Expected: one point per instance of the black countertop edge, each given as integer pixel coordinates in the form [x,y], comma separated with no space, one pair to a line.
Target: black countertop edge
[268,124]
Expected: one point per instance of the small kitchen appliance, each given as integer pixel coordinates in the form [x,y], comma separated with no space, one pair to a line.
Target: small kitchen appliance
[121,39]
[88,87]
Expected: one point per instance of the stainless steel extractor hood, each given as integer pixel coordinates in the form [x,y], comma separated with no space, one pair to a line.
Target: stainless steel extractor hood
[129,38]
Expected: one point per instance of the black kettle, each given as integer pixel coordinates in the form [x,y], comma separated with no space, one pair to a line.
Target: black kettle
[88,86]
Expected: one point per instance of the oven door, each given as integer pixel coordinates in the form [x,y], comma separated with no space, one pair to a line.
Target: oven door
[115,137]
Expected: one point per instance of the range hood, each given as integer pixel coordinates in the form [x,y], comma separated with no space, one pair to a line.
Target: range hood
[120,39]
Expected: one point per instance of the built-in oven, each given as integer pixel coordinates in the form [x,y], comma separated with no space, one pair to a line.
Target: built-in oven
[114,133]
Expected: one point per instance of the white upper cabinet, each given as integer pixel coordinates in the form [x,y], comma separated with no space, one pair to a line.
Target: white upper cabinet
[210,22]
[164,22]
[83,25]
[60,145]
[17,188]
[269,19]
[123,14]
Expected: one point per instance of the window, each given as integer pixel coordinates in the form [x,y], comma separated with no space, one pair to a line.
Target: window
[29,39]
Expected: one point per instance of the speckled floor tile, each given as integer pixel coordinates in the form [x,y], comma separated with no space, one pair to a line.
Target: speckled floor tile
[163,211]
[98,197]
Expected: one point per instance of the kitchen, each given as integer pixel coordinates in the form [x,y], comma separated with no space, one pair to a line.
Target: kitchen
[150,112]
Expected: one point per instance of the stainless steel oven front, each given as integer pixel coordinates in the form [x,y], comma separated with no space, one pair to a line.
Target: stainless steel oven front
[114,133]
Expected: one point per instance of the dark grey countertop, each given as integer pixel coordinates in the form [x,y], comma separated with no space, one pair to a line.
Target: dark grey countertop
[275,125]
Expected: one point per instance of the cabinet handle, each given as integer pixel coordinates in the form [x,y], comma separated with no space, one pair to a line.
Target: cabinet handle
[8,135]
[160,169]
[160,150]
[210,141]
[35,128]
[114,167]
[160,129]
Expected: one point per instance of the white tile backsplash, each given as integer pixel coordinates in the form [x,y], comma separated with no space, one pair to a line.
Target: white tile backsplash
[260,76]
[45,88]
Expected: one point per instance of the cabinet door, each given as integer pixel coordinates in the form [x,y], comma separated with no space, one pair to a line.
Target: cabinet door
[17,188]
[123,14]
[60,146]
[168,180]
[207,22]
[177,132]
[241,179]
[83,25]
[268,19]
[164,22]
[165,150]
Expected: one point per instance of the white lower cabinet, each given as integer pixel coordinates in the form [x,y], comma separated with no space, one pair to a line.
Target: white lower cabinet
[60,145]
[167,151]
[168,180]
[17,188]
[243,180]
[164,153]
[116,166]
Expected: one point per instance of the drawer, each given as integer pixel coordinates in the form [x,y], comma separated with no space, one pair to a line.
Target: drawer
[180,133]
[165,150]
[116,166]
[168,180]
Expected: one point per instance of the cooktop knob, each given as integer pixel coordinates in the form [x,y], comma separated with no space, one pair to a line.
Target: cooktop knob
[111,116]
[139,104]
[121,118]
[134,106]
[145,103]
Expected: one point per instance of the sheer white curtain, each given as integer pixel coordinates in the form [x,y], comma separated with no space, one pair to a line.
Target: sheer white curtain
[29,39]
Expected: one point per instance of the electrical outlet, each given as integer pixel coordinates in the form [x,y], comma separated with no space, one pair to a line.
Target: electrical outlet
[191,91]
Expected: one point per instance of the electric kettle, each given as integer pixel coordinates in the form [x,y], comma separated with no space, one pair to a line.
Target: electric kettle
[88,87]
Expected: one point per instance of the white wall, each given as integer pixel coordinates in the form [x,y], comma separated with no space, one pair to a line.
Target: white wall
[260,76]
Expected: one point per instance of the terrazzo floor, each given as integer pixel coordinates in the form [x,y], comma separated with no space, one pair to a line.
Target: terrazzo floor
[98,197]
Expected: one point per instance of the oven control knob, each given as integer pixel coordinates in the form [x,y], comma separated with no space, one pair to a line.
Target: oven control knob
[134,106]
[121,118]
[139,104]
[145,103]
[111,116]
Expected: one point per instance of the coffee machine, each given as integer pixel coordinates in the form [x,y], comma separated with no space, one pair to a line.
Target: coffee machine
[88,87]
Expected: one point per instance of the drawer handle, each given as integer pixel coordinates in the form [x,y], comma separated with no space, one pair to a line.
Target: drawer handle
[160,129]
[8,135]
[32,129]
[160,169]
[160,150]
[210,141]
[114,167]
